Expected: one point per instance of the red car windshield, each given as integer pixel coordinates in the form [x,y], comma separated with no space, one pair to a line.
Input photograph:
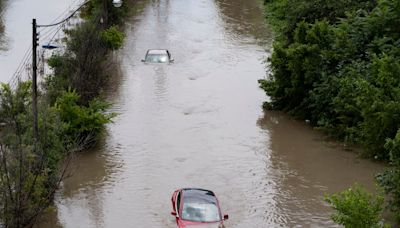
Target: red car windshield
[200,212]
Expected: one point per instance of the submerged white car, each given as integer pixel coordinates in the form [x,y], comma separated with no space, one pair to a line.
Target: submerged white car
[158,56]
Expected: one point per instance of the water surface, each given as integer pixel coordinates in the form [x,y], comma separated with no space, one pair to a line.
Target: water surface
[199,123]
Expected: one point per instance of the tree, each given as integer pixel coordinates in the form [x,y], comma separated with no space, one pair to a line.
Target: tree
[29,174]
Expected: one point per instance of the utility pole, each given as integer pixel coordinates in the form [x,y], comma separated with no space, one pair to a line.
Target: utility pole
[34,83]
[35,39]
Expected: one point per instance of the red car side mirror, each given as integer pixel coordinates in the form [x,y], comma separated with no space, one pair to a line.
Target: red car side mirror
[174,213]
[226,217]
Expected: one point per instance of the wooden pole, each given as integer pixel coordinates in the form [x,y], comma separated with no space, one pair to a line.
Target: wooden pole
[34,83]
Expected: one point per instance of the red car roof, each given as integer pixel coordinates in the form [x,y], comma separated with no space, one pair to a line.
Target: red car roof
[199,195]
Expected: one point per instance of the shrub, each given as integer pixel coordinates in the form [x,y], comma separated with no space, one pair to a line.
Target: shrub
[342,74]
[356,208]
[112,38]
[81,124]
[390,179]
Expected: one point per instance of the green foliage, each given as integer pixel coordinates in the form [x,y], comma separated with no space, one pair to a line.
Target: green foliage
[29,175]
[82,67]
[112,38]
[286,14]
[356,208]
[55,61]
[81,123]
[390,179]
[336,63]
[56,83]
[16,115]
[299,67]
[340,73]
[15,104]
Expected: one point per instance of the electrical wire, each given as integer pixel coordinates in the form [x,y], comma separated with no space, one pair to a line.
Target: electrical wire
[24,62]
[63,14]
[52,30]
[48,31]
[70,16]
[66,11]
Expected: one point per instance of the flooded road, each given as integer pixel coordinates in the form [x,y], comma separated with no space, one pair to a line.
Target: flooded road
[199,123]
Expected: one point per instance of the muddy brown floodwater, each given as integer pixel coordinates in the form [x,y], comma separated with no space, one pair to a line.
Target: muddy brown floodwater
[199,123]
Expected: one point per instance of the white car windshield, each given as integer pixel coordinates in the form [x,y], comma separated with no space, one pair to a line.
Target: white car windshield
[151,58]
[200,212]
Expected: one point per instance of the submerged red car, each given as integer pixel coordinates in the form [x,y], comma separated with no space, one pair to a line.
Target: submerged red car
[197,208]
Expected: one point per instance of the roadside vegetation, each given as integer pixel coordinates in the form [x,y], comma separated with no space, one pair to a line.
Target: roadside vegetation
[72,115]
[356,208]
[336,64]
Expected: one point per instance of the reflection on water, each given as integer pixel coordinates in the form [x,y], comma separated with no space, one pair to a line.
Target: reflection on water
[83,189]
[245,19]
[307,166]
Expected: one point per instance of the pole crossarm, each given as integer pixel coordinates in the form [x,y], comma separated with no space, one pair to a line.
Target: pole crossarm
[66,19]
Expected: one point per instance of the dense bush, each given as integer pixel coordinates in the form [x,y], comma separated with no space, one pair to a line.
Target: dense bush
[81,123]
[112,38]
[286,14]
[336,63]
[356,208]
[390,179]
[342,74]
